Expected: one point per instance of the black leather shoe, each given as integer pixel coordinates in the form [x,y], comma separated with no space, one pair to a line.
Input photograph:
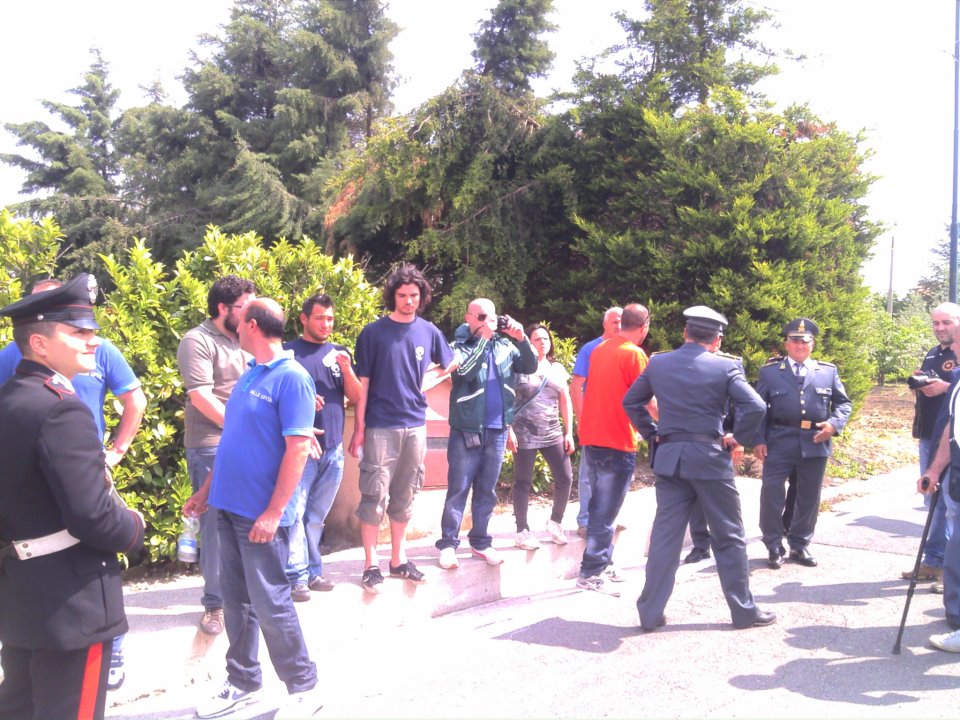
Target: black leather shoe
[761,619]
[764,618]
[696,555]
[775,559]
[803,557]
[660,623]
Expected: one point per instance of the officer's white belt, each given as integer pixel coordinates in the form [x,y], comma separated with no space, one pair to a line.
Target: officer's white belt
[38,547]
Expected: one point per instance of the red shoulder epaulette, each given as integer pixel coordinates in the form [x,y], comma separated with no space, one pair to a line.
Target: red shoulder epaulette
[55,385]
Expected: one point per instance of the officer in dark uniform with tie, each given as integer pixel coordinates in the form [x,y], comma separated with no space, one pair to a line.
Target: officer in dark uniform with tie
[806,406]
[693,387]
[61,600]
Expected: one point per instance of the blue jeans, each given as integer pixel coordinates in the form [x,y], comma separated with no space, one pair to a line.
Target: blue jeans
[315,495]
[477,468]
[939,532]
[584,490]
[256,597]
[199,464]
[610,472]
[951,555]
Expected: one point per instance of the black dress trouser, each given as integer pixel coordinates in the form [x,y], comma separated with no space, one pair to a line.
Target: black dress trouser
[54,684]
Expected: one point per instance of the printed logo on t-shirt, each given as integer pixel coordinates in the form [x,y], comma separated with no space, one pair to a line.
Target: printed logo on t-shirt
[420,353]
[335,370]
[262,396]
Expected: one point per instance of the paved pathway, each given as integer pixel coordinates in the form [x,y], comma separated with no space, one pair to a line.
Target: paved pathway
[544,649]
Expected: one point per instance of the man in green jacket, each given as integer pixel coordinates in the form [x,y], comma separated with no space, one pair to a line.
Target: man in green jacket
[481,410]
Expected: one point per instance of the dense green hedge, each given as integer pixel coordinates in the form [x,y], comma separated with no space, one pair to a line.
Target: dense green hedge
[147,313]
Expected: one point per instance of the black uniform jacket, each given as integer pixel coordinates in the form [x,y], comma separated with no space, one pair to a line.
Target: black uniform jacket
[52,477]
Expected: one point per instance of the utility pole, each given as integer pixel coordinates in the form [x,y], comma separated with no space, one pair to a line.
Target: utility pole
[956,139]
[890,288]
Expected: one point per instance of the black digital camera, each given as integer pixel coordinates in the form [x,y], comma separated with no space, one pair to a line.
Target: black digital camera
[915,382]
[502,322]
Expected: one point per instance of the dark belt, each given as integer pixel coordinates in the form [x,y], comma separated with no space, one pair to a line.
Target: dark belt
[689,437]
[802,424]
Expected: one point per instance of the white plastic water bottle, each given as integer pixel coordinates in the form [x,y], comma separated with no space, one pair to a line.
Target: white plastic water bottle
[187,542]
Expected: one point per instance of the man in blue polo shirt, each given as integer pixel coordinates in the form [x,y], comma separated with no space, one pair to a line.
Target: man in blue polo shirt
[267,432]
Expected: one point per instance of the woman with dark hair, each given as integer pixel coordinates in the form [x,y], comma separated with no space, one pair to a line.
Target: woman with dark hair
[543,399]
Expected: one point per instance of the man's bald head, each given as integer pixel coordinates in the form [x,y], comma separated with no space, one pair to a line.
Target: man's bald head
[268,315]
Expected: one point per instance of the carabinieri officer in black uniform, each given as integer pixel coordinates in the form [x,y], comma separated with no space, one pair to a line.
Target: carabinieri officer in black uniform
[807,405]
[61,600]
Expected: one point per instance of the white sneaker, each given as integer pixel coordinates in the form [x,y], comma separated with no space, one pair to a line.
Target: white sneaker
[300,705]
[490,555]
[612,573]
[448,558]
[556,532]
[948,641]
[526,540]
[595,583]
[226,701]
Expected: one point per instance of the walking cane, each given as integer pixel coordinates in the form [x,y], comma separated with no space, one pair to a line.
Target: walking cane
[916,568]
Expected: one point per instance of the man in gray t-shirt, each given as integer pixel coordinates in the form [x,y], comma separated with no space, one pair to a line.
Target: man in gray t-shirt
[211,362]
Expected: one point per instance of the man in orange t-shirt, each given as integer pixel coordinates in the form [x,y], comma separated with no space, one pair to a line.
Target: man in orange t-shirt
[608,440]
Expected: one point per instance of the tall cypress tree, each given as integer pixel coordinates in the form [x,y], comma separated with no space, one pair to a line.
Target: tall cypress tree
[510,48]
[682,48]
[457,185]
[692,193]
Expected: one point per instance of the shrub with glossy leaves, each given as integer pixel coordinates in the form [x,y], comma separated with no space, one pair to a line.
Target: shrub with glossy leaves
[149,312]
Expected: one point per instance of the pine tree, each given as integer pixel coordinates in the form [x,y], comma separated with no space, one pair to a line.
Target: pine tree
[74,172]
[290,85]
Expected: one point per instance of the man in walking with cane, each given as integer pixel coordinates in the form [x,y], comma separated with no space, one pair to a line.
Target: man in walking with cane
[947,458]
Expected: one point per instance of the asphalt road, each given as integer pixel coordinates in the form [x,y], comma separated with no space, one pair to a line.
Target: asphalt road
[571,654]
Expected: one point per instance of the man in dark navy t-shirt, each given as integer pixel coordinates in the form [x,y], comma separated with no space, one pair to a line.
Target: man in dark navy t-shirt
[330,367]
[395,355]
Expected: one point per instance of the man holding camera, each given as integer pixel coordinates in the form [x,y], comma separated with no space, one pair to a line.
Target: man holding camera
[489,353]
[806,406]
[930,383]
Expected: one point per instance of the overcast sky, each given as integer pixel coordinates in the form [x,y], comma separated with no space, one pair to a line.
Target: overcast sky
[881,67]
